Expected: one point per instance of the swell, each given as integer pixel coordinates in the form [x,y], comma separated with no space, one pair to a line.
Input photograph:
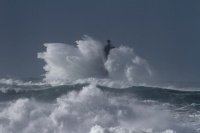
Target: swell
[49,93]
[91,107]
[158,94]
[46,93]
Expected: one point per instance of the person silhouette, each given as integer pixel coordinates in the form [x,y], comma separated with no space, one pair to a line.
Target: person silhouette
[107,48]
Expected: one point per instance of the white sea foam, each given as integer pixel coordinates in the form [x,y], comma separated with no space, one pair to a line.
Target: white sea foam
[70,63]
[90,110]
[9,81]
[18,85]
[87,111]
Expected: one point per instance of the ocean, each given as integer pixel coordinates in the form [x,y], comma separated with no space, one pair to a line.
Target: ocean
[30,107]
[81,92]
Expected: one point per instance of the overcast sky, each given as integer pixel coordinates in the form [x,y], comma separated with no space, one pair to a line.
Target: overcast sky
[164,32]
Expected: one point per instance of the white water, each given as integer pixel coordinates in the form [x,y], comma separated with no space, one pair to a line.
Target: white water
[69,63]
[90,110]
[87,111]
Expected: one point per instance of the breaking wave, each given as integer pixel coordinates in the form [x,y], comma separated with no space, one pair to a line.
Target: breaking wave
[82,93]
[94,109]
[86,61]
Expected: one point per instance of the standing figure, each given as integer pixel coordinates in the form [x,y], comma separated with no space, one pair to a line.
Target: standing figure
[107,49]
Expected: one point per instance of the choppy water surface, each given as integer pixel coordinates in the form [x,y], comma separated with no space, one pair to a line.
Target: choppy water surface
[88,108]
[82,92]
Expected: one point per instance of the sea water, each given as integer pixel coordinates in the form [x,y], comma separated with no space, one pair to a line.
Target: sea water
[82,92]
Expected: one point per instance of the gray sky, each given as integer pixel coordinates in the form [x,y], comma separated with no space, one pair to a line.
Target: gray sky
[165,33]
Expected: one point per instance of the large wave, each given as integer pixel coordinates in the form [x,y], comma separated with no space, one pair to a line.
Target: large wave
[74,106]
[89,110]
[86,61]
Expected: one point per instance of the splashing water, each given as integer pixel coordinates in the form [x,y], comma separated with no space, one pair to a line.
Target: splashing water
[80,94]
[67,62]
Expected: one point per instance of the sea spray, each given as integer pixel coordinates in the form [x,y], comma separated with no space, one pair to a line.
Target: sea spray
[66,62]
[124,65]
[84,111]
[81,93]
[83,108]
